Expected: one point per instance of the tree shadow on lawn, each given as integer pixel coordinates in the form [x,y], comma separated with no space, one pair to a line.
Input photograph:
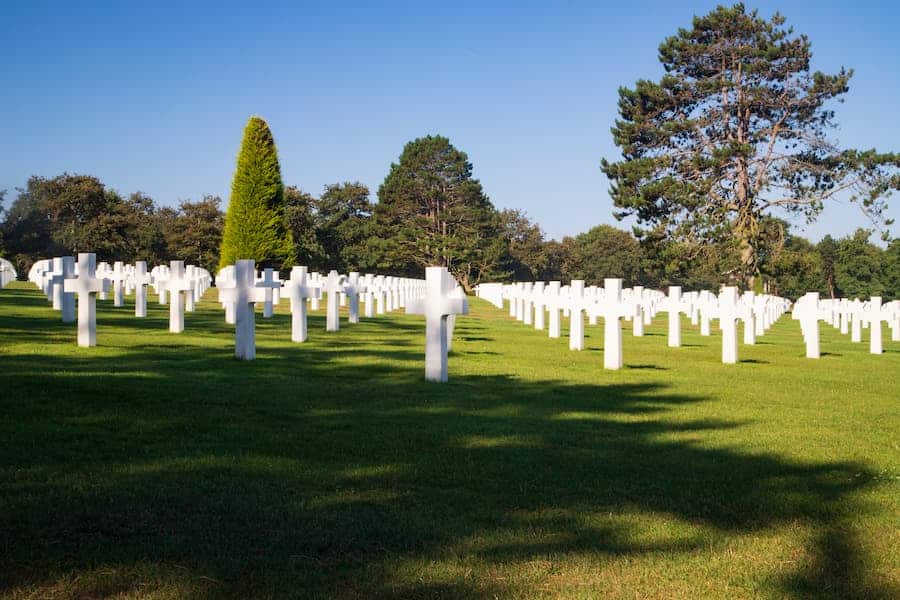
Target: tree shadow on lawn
[298,474]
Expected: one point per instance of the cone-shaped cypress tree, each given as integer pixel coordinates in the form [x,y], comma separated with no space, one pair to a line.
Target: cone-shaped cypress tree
[254,224]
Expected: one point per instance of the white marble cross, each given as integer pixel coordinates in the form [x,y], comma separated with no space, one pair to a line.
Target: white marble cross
[379,295]
[748,316]
[333,286]
[243,292]
[7,273]
[437,304]
[576,306]
[140,279]
[353,287]
[537,296]
[159,283]
[190,293]
[728,316]
[673,306]
[874,316]
[369,295]
[56,279]
[268,282]
[527,303]
[554,302]
[316,280]
[117,280]
[637,323]
[66,299]
[856,321]
[806,310]
[225,279]
[297,289]
[87,285]
[612,309]
[177,284]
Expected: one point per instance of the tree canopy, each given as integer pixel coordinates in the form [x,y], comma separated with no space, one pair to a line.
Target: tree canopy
[255,226]
[431,212]
[736,128]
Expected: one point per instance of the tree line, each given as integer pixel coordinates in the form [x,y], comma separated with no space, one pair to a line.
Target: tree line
[337,229]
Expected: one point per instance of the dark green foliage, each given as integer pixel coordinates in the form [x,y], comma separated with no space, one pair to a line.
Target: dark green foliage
[605,251]
[859,268]
[300,219]
[558,259]
[431,211]
[525,240]
[255,225]
[344,226]
[72,213]
[795,268]
[195,233]
[737,127]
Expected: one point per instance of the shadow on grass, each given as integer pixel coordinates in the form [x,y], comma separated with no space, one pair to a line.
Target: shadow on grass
[301,474]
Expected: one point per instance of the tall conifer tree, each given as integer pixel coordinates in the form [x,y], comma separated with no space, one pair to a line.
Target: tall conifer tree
[255,224]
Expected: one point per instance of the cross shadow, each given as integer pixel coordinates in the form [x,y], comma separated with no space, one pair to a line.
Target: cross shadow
[303,472]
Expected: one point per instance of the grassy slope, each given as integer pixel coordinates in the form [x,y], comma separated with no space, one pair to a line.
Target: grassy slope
[157,466]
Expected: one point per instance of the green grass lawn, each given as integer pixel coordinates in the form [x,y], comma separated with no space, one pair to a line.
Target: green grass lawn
[157,466]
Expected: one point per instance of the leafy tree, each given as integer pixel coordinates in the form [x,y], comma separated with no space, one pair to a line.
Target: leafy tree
[858,270]
[828,251]
[195,234]
[300,218]
[255,222]
[62,215]
[737,127]
[605,251]
[558,259]
[795,268]
[432,212]
[343,226]
[892,270]
[525,239]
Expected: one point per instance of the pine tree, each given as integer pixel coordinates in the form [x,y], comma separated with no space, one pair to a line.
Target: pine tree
[254,224]
[737,128]
[431,212]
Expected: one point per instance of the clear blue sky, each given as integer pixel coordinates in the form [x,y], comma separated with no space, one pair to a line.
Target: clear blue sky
[153,96]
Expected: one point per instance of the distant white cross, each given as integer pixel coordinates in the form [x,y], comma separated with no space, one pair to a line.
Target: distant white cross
[177,284]
[537,296]
[728,316]
[117,280]
[554,302]
[268,282]
[806,310]
[140,279]
[333,286]
[353,287]
[674,308]
[576,315]
[875,316]
[297,289]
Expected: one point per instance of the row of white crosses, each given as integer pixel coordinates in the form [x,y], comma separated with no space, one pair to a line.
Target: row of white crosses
[529,302]
[62,279]
[439,298]
[844,314]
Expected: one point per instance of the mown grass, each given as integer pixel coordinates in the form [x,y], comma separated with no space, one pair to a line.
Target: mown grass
[157,466]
